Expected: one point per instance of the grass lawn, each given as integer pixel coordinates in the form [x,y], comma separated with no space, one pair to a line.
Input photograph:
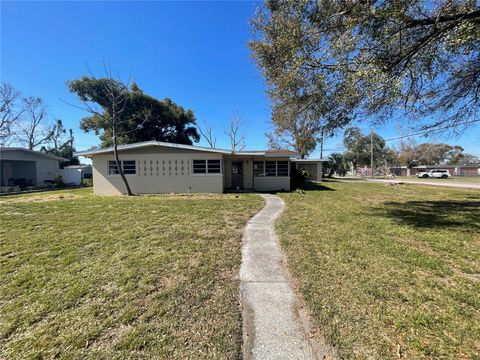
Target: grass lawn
[84,276]
[454,179]
[388,271]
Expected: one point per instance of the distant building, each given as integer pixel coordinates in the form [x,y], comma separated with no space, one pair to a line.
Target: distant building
[23,167]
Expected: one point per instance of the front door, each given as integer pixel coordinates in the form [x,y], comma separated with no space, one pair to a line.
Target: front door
[237,175]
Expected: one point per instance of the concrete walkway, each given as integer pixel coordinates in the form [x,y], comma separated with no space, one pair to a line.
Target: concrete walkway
[272,328]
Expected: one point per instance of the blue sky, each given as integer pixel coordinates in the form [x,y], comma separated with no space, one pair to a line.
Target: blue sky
[192,52]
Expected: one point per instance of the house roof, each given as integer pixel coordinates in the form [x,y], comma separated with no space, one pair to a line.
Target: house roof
[139,145]
[310,160]
[33,152]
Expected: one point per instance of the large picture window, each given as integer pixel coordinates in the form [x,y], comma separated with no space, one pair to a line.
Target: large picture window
[271,168]
[128,166]
[207,166]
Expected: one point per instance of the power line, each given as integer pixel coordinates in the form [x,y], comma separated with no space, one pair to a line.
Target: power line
[417,133]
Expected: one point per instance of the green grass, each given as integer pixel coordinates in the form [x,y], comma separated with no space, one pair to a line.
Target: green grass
[453,179]
[84,276]
[388,271]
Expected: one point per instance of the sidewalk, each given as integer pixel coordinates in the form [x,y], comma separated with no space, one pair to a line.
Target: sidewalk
[272,328]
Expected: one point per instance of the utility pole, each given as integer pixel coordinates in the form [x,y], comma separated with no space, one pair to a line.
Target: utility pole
[371,152]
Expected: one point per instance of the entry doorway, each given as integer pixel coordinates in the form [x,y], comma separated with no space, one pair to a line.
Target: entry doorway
[237,175]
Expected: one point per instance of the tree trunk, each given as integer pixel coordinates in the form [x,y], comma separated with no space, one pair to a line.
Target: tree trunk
[119,166]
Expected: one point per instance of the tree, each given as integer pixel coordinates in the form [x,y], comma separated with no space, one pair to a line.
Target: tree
[60,144]
[469,159]
[31,129]
[413,58]
[10,112]
[337,163]
[107,99]
[167,121]
[207,133]
[56,137]
[412,154]
[305,104]
[237,140]
[358,149]
[293,130]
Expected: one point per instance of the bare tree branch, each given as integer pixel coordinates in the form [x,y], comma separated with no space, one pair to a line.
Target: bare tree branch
[237,140]
[207,133]
[10,112]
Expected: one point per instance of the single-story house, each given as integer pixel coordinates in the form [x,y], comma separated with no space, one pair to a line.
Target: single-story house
[160,167]
[23,167]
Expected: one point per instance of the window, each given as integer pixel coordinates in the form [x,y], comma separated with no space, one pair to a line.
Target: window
[199,166]
[258,168]
[128,166]
[270,168]
[207,167]
[282,168]
[214,166]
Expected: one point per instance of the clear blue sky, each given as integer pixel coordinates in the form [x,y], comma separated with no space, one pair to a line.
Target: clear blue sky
[193,52]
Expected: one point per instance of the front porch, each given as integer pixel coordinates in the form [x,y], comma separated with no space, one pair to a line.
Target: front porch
[247,173]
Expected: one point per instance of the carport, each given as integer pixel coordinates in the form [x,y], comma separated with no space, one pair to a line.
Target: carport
[18,173]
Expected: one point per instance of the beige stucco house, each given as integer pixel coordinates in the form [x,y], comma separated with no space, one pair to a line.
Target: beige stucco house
[158,167]
[23,167]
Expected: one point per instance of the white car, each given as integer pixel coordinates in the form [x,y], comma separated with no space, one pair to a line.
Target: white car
[439,174]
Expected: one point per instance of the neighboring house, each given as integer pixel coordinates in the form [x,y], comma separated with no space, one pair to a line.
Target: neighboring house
[23,167]
[159,167]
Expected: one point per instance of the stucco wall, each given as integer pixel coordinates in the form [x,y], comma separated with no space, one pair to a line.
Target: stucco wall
[247,173]
[272,183]
[157,172]
[47,170]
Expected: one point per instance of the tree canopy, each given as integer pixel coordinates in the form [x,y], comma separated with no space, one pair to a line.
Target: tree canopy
[414,58]
[358,149]
[166,121]
[306,105]
[412,154]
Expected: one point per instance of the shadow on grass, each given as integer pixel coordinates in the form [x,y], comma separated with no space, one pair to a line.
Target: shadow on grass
[432,214]
[310,186]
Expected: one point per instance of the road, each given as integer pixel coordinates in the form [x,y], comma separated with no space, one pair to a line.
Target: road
[438,182]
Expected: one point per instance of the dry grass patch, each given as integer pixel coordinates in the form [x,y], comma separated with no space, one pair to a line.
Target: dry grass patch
[388,272]
[114,277]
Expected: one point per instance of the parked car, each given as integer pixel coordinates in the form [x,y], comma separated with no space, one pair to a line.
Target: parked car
[439,174]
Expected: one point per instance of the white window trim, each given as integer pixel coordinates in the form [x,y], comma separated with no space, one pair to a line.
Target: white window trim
[206,168]
[118,175]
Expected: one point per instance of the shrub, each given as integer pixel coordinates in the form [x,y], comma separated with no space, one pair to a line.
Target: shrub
[298,177]
[58,182]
